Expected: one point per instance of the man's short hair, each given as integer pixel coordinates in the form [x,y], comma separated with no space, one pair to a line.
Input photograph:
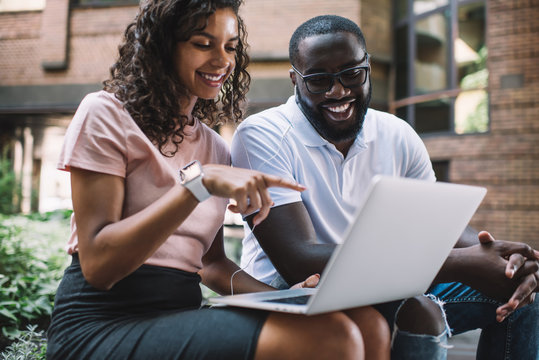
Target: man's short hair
[320,25]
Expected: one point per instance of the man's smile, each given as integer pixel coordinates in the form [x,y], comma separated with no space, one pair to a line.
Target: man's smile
[339,111]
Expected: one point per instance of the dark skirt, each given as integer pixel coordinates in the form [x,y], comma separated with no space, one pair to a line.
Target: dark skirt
[153,313]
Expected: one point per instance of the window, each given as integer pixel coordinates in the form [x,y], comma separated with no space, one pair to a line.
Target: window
[440,65]
[21,5]
[471,105]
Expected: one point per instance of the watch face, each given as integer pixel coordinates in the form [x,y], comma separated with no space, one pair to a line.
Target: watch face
[190,172]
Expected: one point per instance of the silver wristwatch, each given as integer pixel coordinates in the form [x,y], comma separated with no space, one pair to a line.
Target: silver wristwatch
[191,177]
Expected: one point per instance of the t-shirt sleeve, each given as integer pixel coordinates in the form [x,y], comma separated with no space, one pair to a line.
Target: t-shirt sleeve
[95,139]
[264,148]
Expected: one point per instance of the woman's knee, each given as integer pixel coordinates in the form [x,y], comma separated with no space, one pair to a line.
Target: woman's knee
[373,325]
[328,336]
[421,315]
[339,328]
[374,330]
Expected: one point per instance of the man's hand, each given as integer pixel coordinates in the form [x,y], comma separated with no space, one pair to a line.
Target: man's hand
[522,267]
[496,268]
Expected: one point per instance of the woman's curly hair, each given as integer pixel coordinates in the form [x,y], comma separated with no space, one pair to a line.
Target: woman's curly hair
[144,76]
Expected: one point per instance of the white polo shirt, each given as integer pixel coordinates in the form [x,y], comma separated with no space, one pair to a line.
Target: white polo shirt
[282,142]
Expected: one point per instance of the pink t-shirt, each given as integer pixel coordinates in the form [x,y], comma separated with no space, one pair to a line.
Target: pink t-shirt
[103,137]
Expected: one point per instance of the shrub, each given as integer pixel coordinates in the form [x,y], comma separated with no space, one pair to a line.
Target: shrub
[10,191]
[32,260]
[30,345]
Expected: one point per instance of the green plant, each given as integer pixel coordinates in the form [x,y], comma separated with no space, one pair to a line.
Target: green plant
[9,189]
[30,345]
[477,120]
[31,263]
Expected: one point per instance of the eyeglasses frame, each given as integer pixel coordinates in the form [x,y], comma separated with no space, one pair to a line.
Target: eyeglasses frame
[334,76]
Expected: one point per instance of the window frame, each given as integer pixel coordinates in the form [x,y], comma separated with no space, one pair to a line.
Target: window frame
[407,104]
[101,3]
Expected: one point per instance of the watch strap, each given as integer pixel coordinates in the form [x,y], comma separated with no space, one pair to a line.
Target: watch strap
[198,189]
[194,184]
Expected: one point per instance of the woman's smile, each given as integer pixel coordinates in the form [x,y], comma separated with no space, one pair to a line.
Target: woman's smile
[212,80]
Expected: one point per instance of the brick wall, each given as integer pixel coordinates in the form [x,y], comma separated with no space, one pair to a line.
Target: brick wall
[94,35]
[54,35]
[19,46]
[505,160]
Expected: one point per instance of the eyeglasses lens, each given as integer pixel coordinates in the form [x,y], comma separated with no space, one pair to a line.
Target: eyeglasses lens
[349,78]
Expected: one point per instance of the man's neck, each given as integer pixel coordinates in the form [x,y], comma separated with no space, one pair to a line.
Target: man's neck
[343,146]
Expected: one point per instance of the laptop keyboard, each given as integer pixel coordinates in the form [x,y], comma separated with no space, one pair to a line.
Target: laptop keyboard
[299,300]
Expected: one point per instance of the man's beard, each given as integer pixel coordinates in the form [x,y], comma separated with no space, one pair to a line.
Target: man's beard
[330,133]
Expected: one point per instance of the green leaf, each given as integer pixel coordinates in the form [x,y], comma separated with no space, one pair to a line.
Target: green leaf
[8,314]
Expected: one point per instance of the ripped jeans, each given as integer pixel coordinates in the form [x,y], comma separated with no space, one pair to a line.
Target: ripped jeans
[517,337]
[411,346]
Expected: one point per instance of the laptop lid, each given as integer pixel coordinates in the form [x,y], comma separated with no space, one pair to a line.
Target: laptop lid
[399,241]
[402,235]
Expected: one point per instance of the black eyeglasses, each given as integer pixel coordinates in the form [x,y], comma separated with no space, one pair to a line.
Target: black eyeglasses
[323,82]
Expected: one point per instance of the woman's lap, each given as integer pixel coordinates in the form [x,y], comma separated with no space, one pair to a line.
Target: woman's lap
[192,334]
[83,330]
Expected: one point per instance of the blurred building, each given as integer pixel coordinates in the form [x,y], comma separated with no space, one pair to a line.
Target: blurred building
[464,73]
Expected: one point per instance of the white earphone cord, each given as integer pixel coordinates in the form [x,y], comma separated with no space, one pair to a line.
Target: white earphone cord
[252,236]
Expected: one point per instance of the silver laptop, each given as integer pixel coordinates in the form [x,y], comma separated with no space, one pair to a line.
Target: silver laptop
[398,242]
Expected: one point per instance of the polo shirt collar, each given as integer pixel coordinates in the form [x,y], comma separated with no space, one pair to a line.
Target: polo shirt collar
[310,137]
[304,130]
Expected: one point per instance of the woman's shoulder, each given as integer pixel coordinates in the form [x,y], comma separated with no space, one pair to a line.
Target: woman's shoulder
[101,115]
[102,108]
[101,100]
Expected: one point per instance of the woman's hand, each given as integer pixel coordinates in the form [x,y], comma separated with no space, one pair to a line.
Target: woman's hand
[248,188]
[310,282]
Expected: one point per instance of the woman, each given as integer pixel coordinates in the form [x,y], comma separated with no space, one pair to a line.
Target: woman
[143,238]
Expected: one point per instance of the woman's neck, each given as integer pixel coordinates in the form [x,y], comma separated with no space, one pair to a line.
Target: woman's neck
[186,108]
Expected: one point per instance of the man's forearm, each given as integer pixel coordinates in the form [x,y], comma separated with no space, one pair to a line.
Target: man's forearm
[288,237]
[312,259]
[452,269]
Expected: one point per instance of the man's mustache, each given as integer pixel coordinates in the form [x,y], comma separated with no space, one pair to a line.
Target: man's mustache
[337,102]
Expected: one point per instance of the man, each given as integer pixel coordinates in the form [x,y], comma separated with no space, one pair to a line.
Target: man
[326,138]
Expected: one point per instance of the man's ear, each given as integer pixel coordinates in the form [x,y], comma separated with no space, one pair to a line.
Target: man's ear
[292,74]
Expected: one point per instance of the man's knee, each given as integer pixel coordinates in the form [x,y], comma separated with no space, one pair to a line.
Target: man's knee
[421,315]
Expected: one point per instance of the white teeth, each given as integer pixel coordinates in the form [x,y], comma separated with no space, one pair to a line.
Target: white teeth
[339,109]
[212,77]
